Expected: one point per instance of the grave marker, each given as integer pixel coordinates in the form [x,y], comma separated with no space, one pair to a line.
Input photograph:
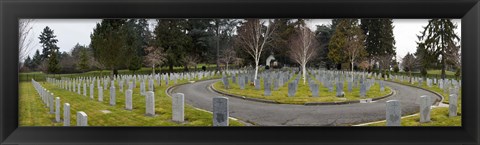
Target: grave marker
[220,111]
[393,113]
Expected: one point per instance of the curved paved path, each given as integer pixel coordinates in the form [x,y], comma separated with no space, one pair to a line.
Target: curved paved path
[199,95]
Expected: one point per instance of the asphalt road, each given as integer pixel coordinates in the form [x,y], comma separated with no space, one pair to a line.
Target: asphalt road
[199,95]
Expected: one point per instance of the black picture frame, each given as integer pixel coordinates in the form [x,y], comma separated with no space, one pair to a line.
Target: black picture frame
[11,11]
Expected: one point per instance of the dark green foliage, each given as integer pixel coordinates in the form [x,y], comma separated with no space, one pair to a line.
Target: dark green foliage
[108,42]
[137,39]
[172,36]
[285,30]
[458,72]
[379,38]
[323,35]
[440,41]
[53,63]
[83,62]
[396,69]
[346,44]
[50,50]
[198,31]
[423,72]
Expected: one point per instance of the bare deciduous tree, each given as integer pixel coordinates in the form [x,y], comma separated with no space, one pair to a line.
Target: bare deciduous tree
[409,62]
[364,65]
[191,60]
[385,61]
[303,47]
[354,47]
[229,56]
[253,36]
[26,41]
[155,56]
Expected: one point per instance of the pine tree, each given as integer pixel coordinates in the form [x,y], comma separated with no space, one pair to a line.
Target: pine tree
[171,35]
[346,44]
[440,40]
[108,44]
[323,35]
[83,62]
[50,49]
[380,42]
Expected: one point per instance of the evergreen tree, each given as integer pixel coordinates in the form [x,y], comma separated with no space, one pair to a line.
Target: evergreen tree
[171,35]
[108,44]
[380,42]
[137,39]
[83,62]
[28,62]
[36,60]
[324,34]
[285,30]
[346,44]
[198,32]
[50,49]
[440,40]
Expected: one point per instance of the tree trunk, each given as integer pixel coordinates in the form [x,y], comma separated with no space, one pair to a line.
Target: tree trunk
[256,69]
[113,73]
[170,67]
[218,44]
[304,75]
[227,66]
[410,76]
[352,65]
[443,67]
[153,69]
[185,67]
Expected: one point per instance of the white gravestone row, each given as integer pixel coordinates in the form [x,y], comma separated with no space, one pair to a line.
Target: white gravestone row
[48,97]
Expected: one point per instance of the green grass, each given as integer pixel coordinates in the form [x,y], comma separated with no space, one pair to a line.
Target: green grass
[303,94]
[34,113]
[438,117]
[439,72]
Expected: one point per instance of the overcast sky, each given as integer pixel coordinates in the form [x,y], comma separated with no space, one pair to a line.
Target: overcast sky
[72,31]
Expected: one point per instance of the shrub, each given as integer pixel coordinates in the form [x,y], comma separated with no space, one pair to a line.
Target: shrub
[424,72]
[396,69]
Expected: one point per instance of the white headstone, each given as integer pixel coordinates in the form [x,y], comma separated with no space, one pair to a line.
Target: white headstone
[113,101]
[57,109]
[452,105]
[91,91]
[178,107]
[100,94]
[393,113]
[82,119]
[220,111]
[128,99]
[150,104]
[66,114]
[425,104]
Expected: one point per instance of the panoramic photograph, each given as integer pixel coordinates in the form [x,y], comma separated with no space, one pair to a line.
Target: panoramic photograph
[240,72]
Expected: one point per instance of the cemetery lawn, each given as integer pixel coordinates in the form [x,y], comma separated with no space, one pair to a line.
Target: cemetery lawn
[439,72]
[302,96]
[32,111]
[439,117]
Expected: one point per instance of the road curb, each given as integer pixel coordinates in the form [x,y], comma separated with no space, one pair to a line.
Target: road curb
[243,97]
[305,104]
